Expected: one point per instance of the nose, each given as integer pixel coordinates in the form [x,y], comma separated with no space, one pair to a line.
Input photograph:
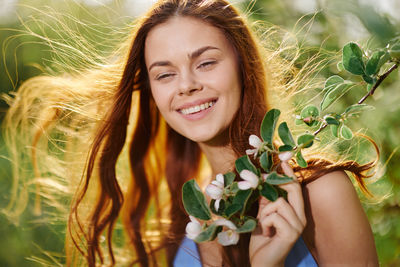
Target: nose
[189,84]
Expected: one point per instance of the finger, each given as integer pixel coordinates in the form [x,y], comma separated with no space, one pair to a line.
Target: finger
[285,210]
[261,204]
[295,194]
[282,228]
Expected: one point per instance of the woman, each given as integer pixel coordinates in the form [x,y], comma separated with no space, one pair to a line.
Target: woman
[200,82]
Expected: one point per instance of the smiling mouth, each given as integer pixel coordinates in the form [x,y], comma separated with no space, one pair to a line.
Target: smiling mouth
[198,108]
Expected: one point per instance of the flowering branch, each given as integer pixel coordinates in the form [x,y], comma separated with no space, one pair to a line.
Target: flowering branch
[232,198]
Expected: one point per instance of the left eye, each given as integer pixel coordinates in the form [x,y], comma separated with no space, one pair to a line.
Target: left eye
[206,64]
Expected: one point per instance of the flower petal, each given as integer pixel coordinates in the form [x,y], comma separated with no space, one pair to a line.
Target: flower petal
[215,192]
[228,238]
[255,141]
[244,185]
[220,178]
[249,177]
[225,222]
[216,204]
[252,151]
[285,156]
[193,228]
[218,184]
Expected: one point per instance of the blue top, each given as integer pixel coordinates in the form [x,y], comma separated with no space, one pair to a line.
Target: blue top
[188,255]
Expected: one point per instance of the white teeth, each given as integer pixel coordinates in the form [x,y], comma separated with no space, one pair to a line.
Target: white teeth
[197,108]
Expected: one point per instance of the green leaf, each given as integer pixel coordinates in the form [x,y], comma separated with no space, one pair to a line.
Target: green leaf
[209,233]
[194,201]
[268,125]
[340,66]
[244,163]
[229,178]
[285,148]
[234,188]
[358,108]
[221,207]
[333,94]
[309,115]
[345,132]
[266,161]
[368,79]
[241,198]
[373,64]
[331,120]
[352,59]
[232,209]
[300,160]
[332,81]
[285,135]
[334,130]
[248,226]
[394,51]
[269,192]
[305,140]
[276,179]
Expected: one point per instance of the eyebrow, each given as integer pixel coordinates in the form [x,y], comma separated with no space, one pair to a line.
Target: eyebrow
[193,55]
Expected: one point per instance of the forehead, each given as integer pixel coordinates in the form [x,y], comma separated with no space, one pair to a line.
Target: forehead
[182,35]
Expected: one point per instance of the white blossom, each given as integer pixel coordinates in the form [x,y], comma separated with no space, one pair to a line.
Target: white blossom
[255,142]
[228,237]
[216,190]
[250,180]
[193,228]
[285,156]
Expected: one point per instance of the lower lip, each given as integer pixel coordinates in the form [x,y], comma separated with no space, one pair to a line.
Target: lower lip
[198,115]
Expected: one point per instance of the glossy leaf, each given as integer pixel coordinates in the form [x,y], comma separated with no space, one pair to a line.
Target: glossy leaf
[352,59]
[269,192]
[208,234]
[276,179]
[340,66]
[268,125]
[244,163]
[194,201]
[373,64]
[266,161]
[248,226]
[358,108]
[305,140]
[333,94]
[229,178]
[368,79]
[285,148]
[331,120]
[300,160]
[221,207]
[332,81]
[345,132]
[334,130]
[285,135]
[232,209]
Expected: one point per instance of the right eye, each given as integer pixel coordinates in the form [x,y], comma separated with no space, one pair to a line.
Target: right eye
[163,76]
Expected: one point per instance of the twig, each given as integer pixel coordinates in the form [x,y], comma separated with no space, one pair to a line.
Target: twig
[378,82]
[371,92]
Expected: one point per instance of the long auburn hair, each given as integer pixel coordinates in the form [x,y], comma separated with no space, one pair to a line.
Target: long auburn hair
[158,154]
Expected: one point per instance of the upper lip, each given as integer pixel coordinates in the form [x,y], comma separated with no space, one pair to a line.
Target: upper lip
[196,103]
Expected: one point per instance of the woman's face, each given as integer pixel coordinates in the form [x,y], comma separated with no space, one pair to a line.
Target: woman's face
[194,77]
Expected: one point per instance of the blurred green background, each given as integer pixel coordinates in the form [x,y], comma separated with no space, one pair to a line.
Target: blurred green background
[31,241]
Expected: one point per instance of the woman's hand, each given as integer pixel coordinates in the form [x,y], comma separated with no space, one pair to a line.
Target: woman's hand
[280,225]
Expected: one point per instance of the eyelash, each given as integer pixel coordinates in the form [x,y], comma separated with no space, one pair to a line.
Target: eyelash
[202,65]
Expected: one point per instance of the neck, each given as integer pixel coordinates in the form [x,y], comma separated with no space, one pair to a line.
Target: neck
[220,157]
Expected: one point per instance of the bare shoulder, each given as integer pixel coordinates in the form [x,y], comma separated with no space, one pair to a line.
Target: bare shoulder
[337,230]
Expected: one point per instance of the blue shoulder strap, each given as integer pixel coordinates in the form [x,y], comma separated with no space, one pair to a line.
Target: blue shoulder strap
[188,255]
